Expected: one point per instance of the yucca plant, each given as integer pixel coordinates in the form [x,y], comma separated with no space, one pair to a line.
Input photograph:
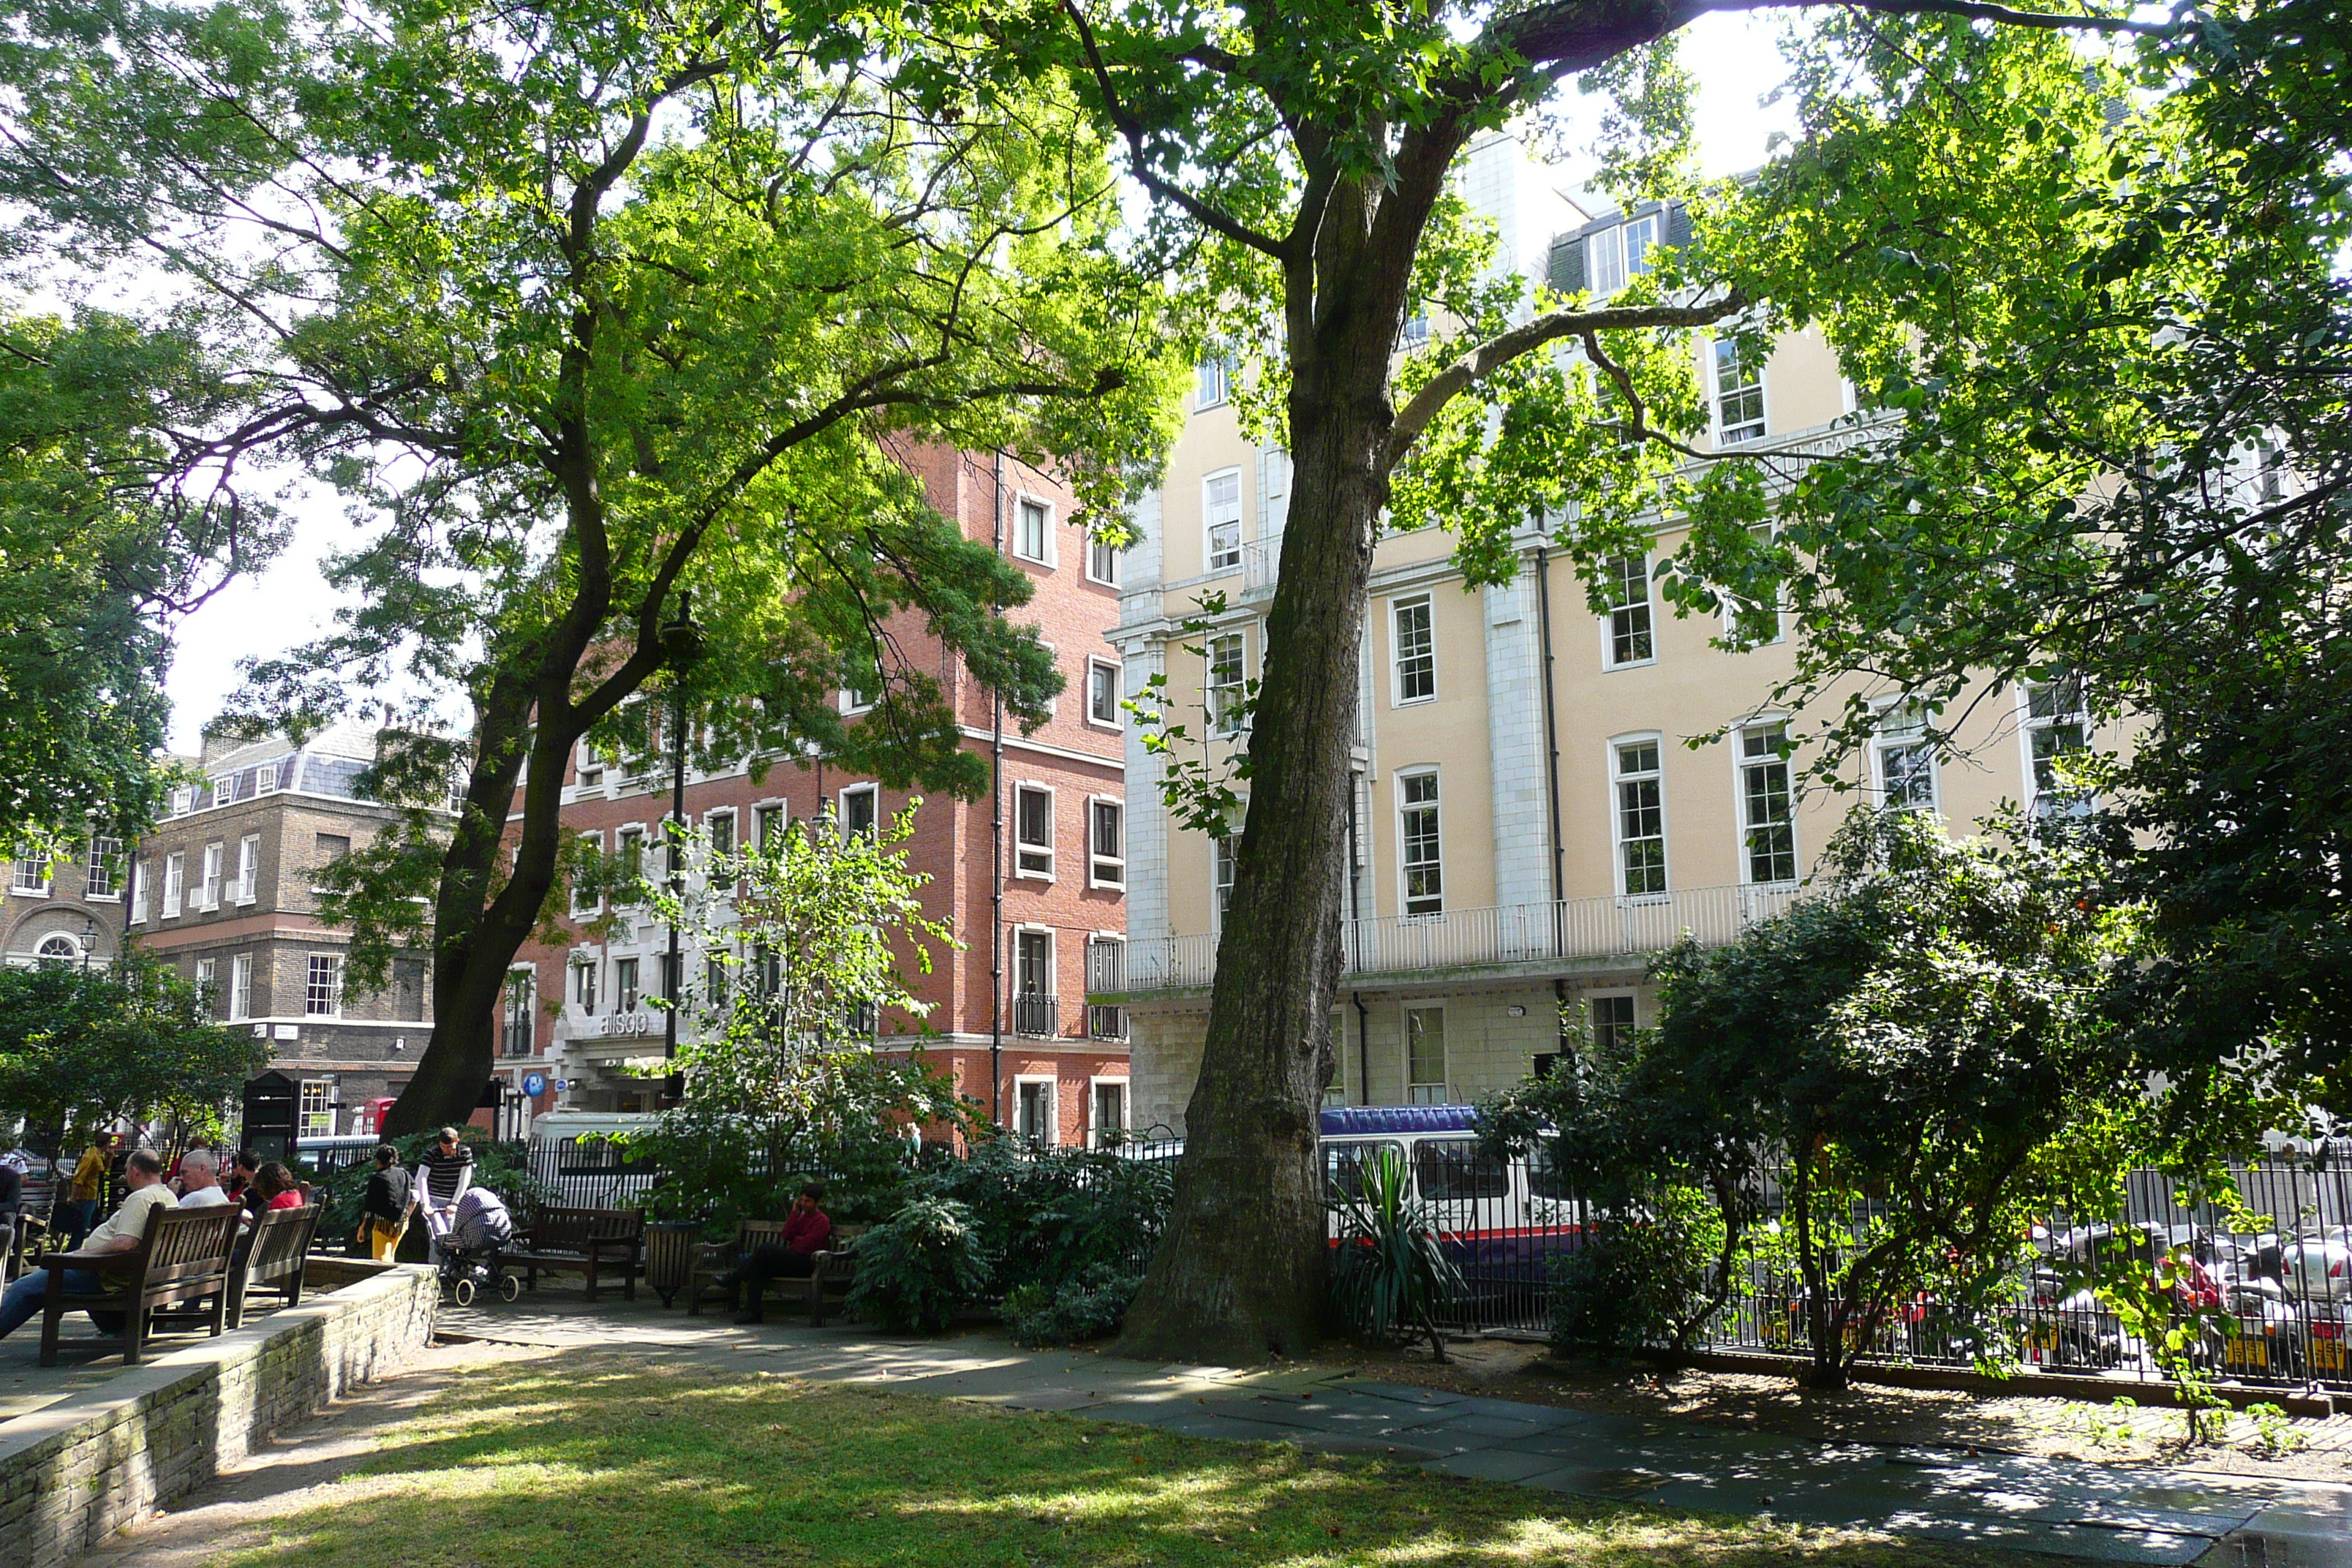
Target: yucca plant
[1390,1278]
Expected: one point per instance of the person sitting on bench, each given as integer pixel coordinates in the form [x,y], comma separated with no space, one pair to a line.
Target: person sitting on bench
[792,1256]
[143,1174]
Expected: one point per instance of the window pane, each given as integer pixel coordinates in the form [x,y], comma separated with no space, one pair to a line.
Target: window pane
[1416,653]
[1222,511]
[1424,890]
[1425,1033]
[1226,693]
[1765,805]
[1740,395]
[1626,583]
[1103,694]
[1641,820]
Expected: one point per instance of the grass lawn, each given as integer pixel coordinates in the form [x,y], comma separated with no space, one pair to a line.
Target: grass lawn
[600,1460]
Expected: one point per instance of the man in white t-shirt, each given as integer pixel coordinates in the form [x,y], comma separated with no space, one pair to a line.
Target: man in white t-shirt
[142,1173]
[200,1175]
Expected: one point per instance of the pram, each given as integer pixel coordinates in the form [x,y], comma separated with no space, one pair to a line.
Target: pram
[472,1247]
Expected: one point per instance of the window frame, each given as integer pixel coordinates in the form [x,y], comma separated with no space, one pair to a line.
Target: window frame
[1112,667]
[872,794]
[1095,859]
[1619,777]
[596,907]
[2031,725]
[769,820]
[1779,609]
[175,885]
[710,819]
[41,886]
[587,760]
[1884,741]
[1406,1013]
[1022,849]
[216,862]
[1225,715]
[1095,1084]
[1215,370]
[240,987]
[1718,427]
[582,994]
[319,1093]
[1592,1022]
[1033,928]
[1052,1084]
[98,883]
[1212,559]
[1024,503]
[1399,783]
[1647,606]
[521,984]
[248,869]
[628,985]
[1399,697]
[1742,762]
[1102,562]
[334,990]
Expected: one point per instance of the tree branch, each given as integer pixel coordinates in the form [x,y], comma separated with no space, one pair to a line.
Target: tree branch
[1499,351]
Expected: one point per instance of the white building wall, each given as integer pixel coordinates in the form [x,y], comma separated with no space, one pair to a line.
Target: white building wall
[1519,778]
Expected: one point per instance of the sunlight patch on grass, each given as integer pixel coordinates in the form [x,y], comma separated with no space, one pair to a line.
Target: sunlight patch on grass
[602,1460]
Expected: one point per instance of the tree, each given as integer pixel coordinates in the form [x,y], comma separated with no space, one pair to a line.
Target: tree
[2123,472]
[85,1047]
[590,310]
[1917,1052]
[798,935]
[1299,165]
[107,536]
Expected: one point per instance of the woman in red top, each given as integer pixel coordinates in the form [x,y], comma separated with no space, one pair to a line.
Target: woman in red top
[277,1187]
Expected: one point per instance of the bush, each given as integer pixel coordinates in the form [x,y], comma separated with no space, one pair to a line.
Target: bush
[1390,1278]
[1048,1219]
[1088,1307]
[1637,1282]
[919,1268]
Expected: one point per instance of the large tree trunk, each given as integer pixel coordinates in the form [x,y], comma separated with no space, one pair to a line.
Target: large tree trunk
[1240,1274]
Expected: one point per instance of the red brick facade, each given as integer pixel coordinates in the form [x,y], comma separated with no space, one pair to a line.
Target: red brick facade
[605,1057]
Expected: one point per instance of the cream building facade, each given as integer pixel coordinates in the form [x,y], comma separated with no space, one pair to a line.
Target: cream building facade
[1542,800]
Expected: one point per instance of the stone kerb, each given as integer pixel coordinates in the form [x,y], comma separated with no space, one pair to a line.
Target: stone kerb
[74,1472]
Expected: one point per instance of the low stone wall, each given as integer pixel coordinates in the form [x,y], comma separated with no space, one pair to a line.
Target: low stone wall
[74,1472]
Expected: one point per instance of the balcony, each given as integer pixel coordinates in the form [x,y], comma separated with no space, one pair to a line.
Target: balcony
[1536,936]
[1105,1022]
[1261,566]
[1037,1016]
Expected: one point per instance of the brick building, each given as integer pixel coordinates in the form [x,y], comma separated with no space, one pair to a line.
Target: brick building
[64,908]
[1033,885]
[223,888]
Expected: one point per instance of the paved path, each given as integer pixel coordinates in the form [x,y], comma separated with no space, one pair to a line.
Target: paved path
[2107,1513]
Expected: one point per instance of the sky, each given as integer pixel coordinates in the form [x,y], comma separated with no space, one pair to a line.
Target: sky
[1732,56]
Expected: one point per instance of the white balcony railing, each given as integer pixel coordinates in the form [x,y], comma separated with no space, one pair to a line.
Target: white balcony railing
[1261,566]
[1504,934]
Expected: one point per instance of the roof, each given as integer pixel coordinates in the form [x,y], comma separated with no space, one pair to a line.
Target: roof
[1347,1121]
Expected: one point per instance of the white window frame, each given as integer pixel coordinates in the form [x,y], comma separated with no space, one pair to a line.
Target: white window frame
[627,836]
[183,800]
[1398,782]
[1591,1004]
[265,779]
[584,977]
[854,702]
[134,872]
[590,910]
[1097,667]
[97,870]
[1213,559]
[873,795]
[208,895]
[249,867]
[1413,1094]
[522,981]
[1908,736]
[1742,760]
[1398,609]
[1755,429]
[1095,1084]
[335,991]
[767,812]
[1224,863]
[2029,725]
[727,814]
[1619,777]
[1095,859]
[1224,714]
[1023,849]
[1213,381]
[628,984]
[1053,1085]
[588,765]
[206,969]
[1731,629]
[175,883]
[38,886]
[315,1108]
[240,987]
[1102,561]
[1647,606]
[1023,502]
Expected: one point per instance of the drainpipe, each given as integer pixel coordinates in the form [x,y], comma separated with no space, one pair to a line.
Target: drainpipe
[1551,743]
[1356,913]
[996,860]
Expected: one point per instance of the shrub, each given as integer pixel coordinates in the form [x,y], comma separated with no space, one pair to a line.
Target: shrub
[1048,1219]
[1390,1278]
[1090,1306]
[1635,1282]
[919,1268]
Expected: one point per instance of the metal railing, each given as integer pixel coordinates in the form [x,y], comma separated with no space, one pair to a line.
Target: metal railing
[1497,935]
[1036,1015]
[1105,1022]
[1261,566]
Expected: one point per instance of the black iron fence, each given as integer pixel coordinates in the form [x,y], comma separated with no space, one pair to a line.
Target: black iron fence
[2272,1306]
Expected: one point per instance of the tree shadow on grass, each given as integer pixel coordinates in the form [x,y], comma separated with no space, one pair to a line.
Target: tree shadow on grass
[603,1461]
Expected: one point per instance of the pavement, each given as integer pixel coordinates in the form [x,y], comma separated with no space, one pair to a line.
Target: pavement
[2106,1513]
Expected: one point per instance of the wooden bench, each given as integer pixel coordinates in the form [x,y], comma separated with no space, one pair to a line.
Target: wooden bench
[274,1261]
[586,1241]
[182,1258]
[827,1287]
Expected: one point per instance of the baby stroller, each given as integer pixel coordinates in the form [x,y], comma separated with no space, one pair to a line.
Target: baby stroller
[472,1260]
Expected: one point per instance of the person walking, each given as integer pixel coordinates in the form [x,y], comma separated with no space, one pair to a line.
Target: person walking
[79,1210]
[383,1216]
[442,1177]
[142,1174]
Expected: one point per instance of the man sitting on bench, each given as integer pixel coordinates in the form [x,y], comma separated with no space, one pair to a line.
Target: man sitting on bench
[792,1256]
[143,1174]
